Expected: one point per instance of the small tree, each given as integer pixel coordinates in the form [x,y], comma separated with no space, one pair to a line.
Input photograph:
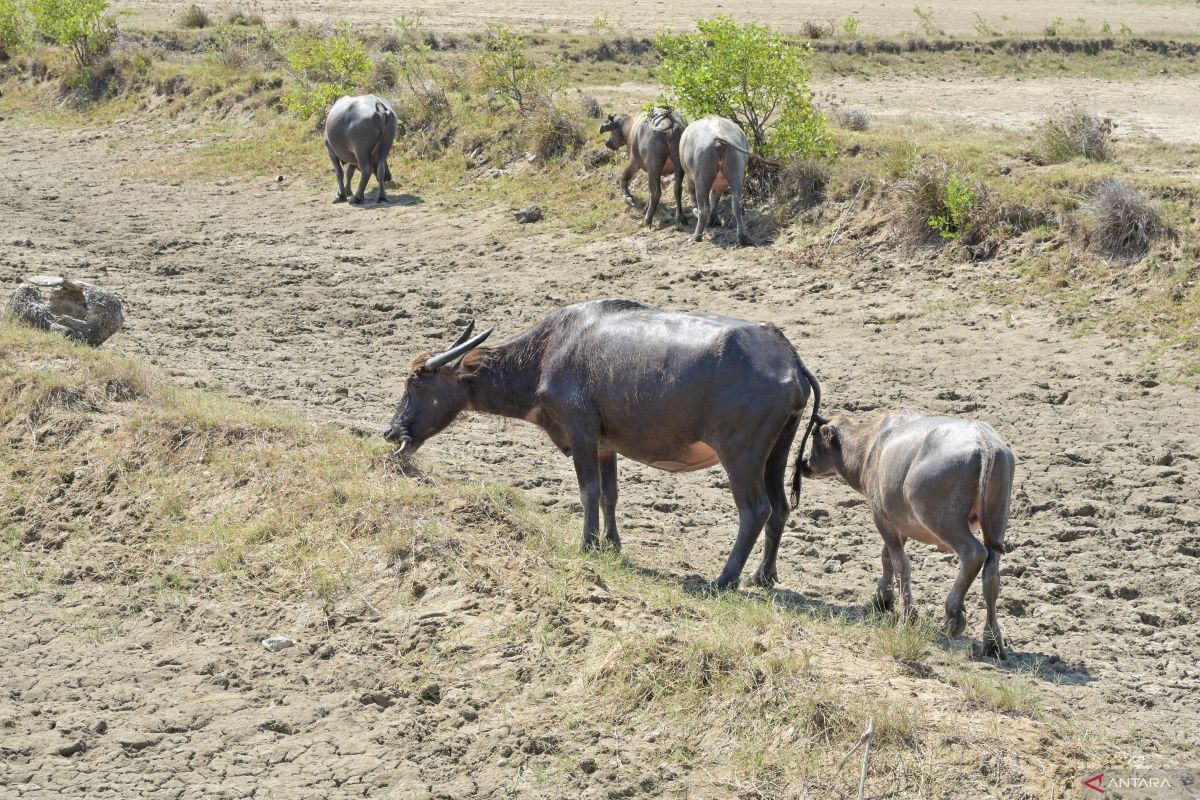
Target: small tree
[326,68]
[75,24]
[506,69]
[12,26]
[750,74]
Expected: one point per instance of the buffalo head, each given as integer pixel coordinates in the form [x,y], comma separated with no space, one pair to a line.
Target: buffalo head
[615,128]
[825,455]
[434,394]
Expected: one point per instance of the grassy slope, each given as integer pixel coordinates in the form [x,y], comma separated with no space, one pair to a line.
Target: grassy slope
[112,477]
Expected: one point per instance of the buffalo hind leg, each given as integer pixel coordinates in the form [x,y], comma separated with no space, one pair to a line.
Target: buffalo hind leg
[739,211]
[745,471]
[971,556]
[630,170]
[337,170]
[993,638]
[714,203]
[364,176]
[885,594]
[700,196]
[608,496]
[767,573]
[655,182]
[680,213]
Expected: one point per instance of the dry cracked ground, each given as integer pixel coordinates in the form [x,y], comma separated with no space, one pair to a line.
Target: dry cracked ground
[263,290]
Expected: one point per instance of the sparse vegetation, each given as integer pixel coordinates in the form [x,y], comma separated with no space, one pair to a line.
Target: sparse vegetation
[1124,224]
[851,24]
[937,199]
[925,18]
[12,26]
[194,17]
[240,16]
[1074,132]
[851,118]
[506,69]
[751,74]
[554,132]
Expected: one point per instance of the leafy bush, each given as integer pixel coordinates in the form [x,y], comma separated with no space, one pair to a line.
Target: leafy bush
[78,25]
[750,74]
[954,217]
[506,70]
[1074,132]
[936,199]
[195,17]
[851,24]
[1124,222]
[325,67]
[12,26]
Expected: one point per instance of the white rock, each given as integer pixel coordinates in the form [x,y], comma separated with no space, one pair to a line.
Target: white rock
[277,643]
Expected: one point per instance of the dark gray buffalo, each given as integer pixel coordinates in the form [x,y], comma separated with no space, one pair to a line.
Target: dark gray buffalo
[359,132]
[676,391]
[653,144]
[934,479]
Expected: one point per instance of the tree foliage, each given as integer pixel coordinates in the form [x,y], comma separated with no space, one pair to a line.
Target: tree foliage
[325,68]
[750,74]
[12,25]
[506,69]
[78,25]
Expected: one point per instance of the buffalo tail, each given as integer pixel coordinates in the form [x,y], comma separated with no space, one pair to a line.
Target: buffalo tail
[812,421]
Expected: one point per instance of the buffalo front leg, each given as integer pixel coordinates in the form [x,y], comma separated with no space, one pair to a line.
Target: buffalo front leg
[608,496]
[337,170]
[754,509]
[993,638]
[587,471]
[885,595]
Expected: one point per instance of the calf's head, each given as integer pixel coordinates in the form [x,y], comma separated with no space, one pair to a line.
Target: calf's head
[434,394]
[615,128]
[824,457]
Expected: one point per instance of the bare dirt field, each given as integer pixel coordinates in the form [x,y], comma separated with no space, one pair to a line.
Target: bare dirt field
[644,16]
[265,291]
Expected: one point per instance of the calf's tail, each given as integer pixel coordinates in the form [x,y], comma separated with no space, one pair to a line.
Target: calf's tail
[722,143]
[812,421]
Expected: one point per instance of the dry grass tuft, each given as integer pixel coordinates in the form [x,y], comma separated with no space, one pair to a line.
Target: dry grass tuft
[554,132]
[815,30]
[800,185]
[851,118]
[1074,132]
[194,17]
[1124,223]
[590,106]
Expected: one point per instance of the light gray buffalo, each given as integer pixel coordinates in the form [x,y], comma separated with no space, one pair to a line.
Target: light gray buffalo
[653,143]
[934,479]
[676,391]
[715,153]
[359,132]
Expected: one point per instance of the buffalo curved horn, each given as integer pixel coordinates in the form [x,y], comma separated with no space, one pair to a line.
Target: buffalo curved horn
[456,352]
[462,337]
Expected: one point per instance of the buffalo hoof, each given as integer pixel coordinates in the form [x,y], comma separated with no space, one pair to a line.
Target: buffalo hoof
[356,200]
[993,643]
[380,200]
[764,578]
[744,240]
[696,237]
[883,603]
[956,624]
[341,198]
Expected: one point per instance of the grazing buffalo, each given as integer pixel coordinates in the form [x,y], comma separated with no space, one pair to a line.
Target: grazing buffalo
[933,479]
[714,152]
[359,132]
[653,143]
[677,391]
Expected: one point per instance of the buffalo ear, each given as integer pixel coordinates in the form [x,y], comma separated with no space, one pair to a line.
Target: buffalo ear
[828,433]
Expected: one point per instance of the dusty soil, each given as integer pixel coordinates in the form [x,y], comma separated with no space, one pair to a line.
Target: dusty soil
[644,16]
[264,290]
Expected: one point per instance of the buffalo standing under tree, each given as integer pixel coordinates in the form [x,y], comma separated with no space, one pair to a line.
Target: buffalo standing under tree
[933,479]
[677,391]
[653,144]
[359,132]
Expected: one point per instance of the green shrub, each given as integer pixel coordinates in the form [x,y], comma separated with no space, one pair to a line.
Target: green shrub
[952,220]
[12,26]
[851,24]
[78,25]
[752,75]
[506,70]
[195,17]
[325,68]
[247,18]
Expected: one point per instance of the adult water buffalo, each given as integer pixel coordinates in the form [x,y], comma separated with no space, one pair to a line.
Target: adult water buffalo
[677,391]
[359,132]
[653,144]
[933,479]
[714,152]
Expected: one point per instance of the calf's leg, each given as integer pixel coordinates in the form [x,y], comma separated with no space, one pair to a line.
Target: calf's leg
[630,171]
[608,496]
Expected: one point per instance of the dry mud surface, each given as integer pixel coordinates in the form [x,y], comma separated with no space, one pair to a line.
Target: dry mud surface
[647,16]
[266,291]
